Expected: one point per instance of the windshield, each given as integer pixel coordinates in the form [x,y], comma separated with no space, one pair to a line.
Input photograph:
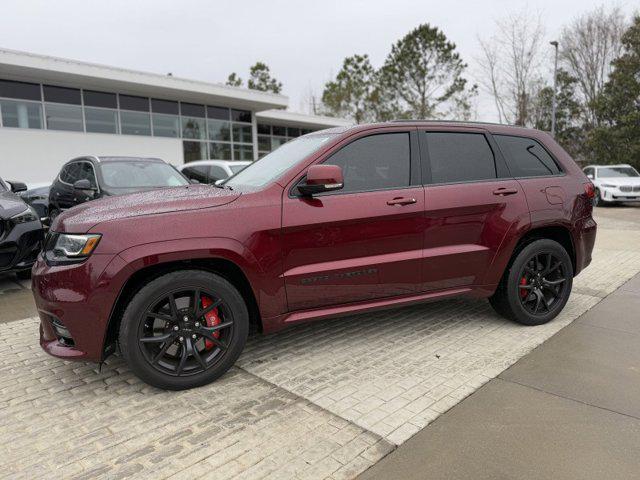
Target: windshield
[140,175]
[617,172]
[271,166]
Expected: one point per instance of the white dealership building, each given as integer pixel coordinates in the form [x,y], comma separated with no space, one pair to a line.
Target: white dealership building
[55,109]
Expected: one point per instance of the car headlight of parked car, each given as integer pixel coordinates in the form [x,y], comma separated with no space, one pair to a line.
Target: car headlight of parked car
[64,248]
[29,215]
[606,185]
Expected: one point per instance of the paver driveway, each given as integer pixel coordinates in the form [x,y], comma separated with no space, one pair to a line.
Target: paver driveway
[325,400]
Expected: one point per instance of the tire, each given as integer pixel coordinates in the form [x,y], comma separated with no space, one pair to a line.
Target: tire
[528,298]
[139,330]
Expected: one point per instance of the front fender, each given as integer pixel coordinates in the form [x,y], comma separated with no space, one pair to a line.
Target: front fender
[269,294]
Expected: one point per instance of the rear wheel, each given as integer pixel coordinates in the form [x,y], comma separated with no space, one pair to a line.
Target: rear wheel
[184,329]
[537,285]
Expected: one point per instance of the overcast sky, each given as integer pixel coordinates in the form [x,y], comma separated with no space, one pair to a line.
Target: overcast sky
[304,42]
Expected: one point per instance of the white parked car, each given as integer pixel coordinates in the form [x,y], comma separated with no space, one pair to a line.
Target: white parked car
[614,183]
[211,171]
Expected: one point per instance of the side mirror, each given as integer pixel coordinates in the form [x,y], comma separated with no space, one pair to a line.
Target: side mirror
[83,184]
[194,181]
[17,186]
[322,178]
[590,176]
[219,182]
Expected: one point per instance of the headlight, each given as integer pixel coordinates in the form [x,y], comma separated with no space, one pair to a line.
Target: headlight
[64,248]
[29,215]
[606,185]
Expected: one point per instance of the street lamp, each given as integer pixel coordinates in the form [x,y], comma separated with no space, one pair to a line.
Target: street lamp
[555,88]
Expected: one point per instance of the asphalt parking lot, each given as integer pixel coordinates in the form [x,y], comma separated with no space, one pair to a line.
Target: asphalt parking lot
[325,400]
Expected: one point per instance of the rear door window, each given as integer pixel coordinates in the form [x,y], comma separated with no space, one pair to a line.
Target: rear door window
[457,157]
[376,162]
[526,157]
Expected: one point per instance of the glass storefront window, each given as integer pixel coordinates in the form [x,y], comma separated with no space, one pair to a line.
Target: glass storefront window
[193,128]
[101,120]
[277,142]
[165,125]
[242,133]
[219,151]
[21,114]
[219,130]
[194,151]
[242,152]
[135,123]
[264,143]
[63,117]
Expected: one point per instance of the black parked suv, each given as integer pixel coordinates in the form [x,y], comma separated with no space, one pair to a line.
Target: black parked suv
[20,231]
[87,178]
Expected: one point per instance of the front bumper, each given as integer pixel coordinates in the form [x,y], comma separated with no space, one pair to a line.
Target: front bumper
[19,245]
[616,195]
[74,303]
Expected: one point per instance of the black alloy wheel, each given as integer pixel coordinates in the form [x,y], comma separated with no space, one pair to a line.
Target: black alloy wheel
[536,285]
[541,283]
[184,329]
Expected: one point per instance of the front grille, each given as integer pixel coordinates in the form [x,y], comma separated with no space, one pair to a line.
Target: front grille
[629,189]
[626,189]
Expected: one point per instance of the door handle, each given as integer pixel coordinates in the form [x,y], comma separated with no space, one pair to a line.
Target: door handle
[505,191]
[401,201]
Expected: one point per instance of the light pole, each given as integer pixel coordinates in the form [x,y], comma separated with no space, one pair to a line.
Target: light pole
[555,88]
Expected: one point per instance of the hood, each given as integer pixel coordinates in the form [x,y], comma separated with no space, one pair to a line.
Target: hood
[10,205]
[81,218]
[620,181]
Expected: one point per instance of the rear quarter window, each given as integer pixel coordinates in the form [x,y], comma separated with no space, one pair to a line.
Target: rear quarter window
[526,157]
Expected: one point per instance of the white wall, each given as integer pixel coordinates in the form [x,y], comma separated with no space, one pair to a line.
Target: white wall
[35,156]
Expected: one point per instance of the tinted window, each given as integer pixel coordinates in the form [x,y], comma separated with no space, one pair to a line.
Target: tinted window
[164,106]
[241,116]
[218,112]
[192,110]
[198,173]
[100,99]
[61,94]
[129,102]
[375,162]
[264,129]
[70,173]
[28,91]
[217,173]
[459,157]
[526,157]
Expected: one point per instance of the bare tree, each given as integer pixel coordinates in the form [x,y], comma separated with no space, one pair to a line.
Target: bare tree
[510,65]
[588,45]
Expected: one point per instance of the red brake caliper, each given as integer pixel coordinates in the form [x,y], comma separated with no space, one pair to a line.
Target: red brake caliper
[212,318]
[523,291]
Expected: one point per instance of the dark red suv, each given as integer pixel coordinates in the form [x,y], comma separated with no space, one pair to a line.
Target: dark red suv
[334,222]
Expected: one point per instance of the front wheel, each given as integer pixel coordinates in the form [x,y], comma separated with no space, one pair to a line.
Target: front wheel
[184,329]
[537,285]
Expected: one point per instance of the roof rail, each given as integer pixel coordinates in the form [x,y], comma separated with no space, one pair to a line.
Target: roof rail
[471,122]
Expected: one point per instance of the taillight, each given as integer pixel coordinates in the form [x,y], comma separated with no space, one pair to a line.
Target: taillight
[590,190]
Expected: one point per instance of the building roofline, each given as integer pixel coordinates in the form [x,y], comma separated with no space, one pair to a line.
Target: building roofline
[285,118]
[26,66]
